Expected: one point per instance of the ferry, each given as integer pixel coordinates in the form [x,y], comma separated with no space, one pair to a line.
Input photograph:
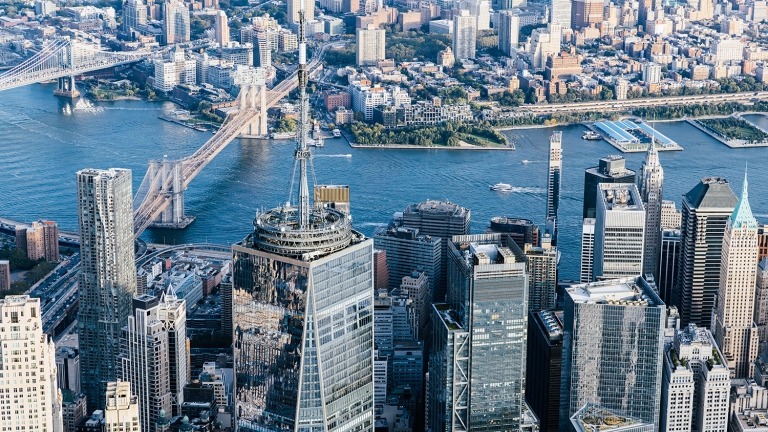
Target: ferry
[316,142]
[591,136]
[501,187]
[336,133]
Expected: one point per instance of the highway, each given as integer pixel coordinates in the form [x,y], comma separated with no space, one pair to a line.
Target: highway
[622,105]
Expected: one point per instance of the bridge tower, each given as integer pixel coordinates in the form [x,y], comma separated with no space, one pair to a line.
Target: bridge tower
[168,175]
[66,87]
[256,98]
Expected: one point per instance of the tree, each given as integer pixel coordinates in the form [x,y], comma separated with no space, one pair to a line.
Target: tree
[285,125]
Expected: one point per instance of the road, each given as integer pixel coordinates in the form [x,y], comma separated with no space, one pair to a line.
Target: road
[622,105]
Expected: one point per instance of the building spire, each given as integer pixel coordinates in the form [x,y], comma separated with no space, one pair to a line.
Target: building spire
[742,215]
[303,154]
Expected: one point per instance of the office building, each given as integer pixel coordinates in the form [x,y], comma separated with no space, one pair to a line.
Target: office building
[520,231]
[587,250]
[705,211]
[303,311]
[696,383]
[669,257]
[594,417]
[380,269]
[73,409]
[145,361]
[541,266]
[122,409]
[43,241]
[379,380]
[176,25]
[134,14]
[543,364]
[584,13]
[440,219]
[35,407]
[68,369]
[482,388]
[619,232]
[408,366]
[611,169]
[761,300]
[464,35]
[650,184]
[561,13]
[221,28]
[107,279]
[383,327]
[5,275]
[293,11]
[670,215]
[509,31]
[545,42]
[762,241]
[415,287]
[406,250]
[172,313]
[735,330]
[371,44]
[555,174]
[613,346]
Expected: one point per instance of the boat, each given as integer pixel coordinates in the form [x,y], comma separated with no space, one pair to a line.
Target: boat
[501,187]
[525,161]
[591,136]
[336,133]
[319,142]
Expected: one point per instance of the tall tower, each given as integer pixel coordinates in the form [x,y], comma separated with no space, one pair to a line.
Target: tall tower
[107,280]
[705,211]
[651,183]
[555,169]
[302,311]
[735,329]
[172,312]
[222,30]
[619,232]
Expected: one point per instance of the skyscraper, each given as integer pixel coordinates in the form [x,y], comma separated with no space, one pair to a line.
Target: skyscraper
[222,32]
[735,330]
[669,259]
[587,250]
[670,215]
[555,174]
[134,14]
[122,409]
[464,35]
[520,231]
[509,31]
[107,280]
[544,361]
[541,266]
[613,344]
[371,42]
[561,13]
[586,12]
[303,311]
[35,405]
[441,219]
[619,232]
[705,211]
[172,312]
[651,184]
[611,169]
[176,25]
[482,388]
[408,250]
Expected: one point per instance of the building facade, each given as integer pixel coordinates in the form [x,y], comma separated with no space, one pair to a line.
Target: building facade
[669,258]
[407,250]
[122,409]
[555,174]
[43,241]
[619,232]
[371,44]
[107,280]
[509,31]
[464,35]
[650,184]
[543,366]
[611,169]
[176,24]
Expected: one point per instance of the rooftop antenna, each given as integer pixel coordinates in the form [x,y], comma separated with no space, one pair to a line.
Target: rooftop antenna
[303,154]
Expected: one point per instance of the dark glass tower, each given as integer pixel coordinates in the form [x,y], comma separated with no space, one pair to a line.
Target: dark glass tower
[611,169]
[545,351]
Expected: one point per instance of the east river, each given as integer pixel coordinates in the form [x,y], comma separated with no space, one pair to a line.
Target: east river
[43,143]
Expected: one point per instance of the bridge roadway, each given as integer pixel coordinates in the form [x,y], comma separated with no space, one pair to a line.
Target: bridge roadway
[156,199]
[620,105]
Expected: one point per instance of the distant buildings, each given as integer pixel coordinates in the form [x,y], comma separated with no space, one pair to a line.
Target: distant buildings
[5,275]
[586,12]
[107,280]
[613,346]
[176,24]
[40,241]
[221,29]
[464,35]
[134,14]
[371,45]
[294,6]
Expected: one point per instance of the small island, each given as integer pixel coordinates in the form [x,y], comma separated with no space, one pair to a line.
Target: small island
[733,131]
[447,135]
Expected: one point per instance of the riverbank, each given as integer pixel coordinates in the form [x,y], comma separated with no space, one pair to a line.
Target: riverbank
[462,145]
[729,143]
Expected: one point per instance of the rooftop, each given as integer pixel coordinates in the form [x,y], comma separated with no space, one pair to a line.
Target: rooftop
[594,418]
[552,321]
[621,292]
[621,197]
[712,193]
[433,206]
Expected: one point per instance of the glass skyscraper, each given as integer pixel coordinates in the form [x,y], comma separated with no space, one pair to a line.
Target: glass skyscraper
[613,345]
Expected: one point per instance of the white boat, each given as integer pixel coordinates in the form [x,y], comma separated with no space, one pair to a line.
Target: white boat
[526,161]
[336,133]
[501,187]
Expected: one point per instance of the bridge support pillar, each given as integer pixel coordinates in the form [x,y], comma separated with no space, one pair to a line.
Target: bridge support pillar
[172,217]
[257,97]
[67,88]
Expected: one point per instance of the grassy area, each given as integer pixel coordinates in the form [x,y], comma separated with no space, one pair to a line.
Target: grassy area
[734,128]
[446,134]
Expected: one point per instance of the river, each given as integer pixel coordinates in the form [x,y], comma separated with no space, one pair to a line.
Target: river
[42,145]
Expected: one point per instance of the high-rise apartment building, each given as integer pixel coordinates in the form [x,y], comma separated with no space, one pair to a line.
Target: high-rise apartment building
[482,388]
[541,266]
[555,174]
[613,344]
[619,232]
[222,29]
[5,275]
[611,169]
[172,313]
[407,250]
[107,280]
[561,13]
[134,14]
[509,31]
[122,408]
[705,211]
[35,405]
[293,10]
[669,259]
[587,250]
[145,361]
[464,35]
[735,330]
[761,300]
[650,184]
[176,24]
[43,241]
[586,12]
[696,384]
[371,44]
[443,220]
[543,364]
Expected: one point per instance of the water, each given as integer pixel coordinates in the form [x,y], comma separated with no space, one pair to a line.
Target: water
[41,147]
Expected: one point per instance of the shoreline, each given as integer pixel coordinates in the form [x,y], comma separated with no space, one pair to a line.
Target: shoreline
[700,127]
[509,147]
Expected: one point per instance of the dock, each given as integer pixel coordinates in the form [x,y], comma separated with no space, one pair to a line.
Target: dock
[631,137]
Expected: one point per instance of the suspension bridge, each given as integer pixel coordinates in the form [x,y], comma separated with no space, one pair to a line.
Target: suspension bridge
[159,201]
[63,59]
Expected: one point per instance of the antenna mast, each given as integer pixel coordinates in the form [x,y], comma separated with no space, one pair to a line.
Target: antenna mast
[302,151]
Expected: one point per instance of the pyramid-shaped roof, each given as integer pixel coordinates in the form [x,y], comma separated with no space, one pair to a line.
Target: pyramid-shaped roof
[712,193]
[742,214]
